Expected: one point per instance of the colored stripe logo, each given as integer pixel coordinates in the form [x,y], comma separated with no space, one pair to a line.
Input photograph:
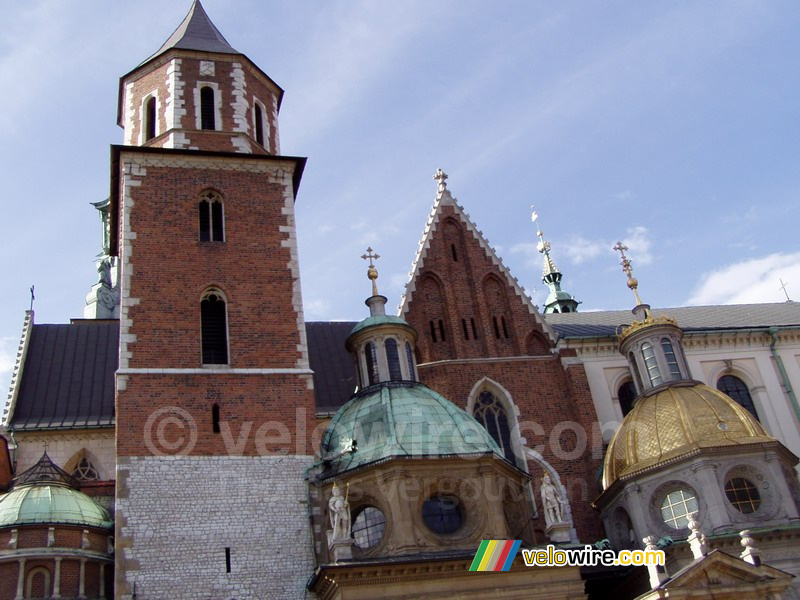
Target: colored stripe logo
[495,555]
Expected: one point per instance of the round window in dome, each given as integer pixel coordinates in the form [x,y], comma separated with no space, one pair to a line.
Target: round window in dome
[442,514]
[368,527]
[676,507]
[743,494]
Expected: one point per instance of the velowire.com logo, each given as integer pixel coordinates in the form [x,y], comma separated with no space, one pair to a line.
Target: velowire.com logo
[495,555]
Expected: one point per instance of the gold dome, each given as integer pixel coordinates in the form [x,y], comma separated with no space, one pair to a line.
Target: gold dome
[674,422]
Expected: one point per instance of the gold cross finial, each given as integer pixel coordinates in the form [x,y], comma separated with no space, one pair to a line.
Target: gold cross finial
[633,283]
[441,177]
[372,272]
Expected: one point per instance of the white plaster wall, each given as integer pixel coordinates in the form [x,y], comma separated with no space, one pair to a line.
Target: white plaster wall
[177,514]
[752,362]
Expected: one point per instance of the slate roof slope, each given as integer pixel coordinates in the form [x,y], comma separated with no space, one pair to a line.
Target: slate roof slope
[334,372]
[690,318]
[196,32]
[68,378]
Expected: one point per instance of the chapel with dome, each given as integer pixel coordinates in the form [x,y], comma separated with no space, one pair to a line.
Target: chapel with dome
[204,440]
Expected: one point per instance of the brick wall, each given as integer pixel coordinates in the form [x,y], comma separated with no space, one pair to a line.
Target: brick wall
[459,281]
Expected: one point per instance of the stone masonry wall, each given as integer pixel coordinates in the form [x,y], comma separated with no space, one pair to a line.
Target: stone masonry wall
[177,515]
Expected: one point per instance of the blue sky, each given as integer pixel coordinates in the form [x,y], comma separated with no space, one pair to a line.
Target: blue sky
[672,125]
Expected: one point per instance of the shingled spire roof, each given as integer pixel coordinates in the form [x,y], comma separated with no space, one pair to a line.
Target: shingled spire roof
[197,32]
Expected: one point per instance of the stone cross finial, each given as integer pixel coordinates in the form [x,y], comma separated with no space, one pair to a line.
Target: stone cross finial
[441,177]
[633,283]
[372,272]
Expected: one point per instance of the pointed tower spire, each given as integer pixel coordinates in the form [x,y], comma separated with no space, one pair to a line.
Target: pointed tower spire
[197,32]
[558,301]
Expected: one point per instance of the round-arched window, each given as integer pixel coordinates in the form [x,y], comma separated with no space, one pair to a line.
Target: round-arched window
[676,507]
[743,494]
[737,389]
[442,514]
[368,527]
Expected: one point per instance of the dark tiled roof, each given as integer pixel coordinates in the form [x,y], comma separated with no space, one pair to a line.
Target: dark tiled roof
[196,32]
[68,377]
[691,318]
[334,372]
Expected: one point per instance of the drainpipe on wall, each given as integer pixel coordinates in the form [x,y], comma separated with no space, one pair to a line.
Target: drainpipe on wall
[786,384]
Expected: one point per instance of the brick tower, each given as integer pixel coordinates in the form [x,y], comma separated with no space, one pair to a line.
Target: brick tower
[214,392]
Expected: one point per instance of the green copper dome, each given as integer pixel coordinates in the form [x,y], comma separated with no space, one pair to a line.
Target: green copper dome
[51,503]
[379,320]
[401,420]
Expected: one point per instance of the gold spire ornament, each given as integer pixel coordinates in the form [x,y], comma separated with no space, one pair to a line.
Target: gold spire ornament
[372,272]
[543,246]
[633,283]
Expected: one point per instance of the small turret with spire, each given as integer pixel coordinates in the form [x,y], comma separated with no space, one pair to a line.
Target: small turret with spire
[382,345]
[652,345]
[558,301]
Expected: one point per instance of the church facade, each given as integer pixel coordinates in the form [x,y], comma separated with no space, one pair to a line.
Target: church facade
[208,442]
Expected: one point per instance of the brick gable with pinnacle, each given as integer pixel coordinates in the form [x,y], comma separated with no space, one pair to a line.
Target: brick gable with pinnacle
[457,278]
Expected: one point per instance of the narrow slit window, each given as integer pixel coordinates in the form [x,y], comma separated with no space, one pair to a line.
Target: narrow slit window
[150,119]
[227,560]
[464,327]
[505,329]
[455,254]
[207,108]
[393,360]
[259,117]
[650,362]
[214,329]
[441,330]
[215,418]
[496,328]
[410,359]
[672,361]
[433,332]
[474,328]
[371,357]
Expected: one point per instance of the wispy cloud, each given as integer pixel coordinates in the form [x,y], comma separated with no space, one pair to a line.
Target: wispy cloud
[750,281]
[579,250]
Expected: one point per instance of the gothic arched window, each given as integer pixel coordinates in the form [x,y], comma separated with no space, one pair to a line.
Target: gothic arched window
[85,471]
[737,389]
[207,108]
[211,217]
[492,415]
[214,328]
